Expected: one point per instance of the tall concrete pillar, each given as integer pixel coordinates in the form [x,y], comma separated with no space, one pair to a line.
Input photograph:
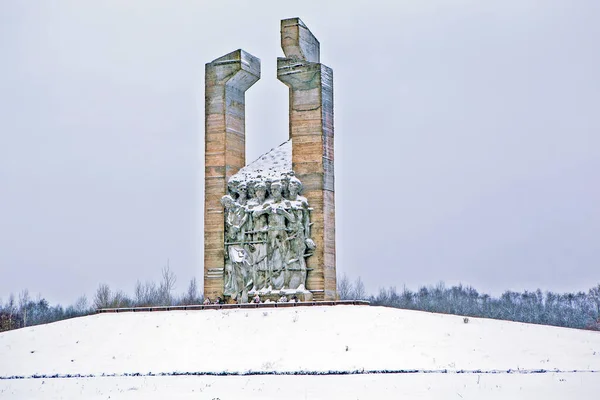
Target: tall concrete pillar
[311,130]
[226,80]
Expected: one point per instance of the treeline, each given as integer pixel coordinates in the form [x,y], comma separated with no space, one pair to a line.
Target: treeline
[572,310]
[24,311]
[149,294]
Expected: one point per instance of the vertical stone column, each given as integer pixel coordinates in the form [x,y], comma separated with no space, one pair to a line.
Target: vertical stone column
[226,80]
[311,131]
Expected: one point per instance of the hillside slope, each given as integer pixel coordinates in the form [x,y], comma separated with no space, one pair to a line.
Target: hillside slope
[333,338]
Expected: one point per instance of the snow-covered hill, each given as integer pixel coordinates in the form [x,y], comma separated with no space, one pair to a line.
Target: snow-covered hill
[300,339]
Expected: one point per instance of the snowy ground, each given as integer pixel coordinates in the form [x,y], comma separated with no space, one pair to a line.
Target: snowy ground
[433,355]
[413,386]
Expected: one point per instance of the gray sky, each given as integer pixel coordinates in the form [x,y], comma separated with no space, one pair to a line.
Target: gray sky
[467,138]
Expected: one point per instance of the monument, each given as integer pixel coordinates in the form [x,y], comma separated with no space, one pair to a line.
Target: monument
[269,226]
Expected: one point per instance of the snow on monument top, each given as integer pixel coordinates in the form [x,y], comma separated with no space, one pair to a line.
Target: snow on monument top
[268,167]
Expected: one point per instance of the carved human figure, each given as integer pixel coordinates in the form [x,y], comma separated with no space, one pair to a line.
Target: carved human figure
[285,183]
[237,258]
[277,243]
[299,237]
[260,267]
[267,236]
[230,284]
[242,191]
[232,185]
[251,188]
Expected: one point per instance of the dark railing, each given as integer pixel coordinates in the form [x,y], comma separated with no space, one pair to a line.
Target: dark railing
[235,306]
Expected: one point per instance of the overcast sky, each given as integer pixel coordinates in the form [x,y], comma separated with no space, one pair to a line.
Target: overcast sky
[467,138]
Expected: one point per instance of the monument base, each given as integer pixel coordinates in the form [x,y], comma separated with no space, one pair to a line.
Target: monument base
[273,296]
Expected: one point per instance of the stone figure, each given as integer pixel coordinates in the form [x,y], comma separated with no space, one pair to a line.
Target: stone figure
[299,236]
[232,185]
[251,186]
[285,183]
[277,243]
[242,191]
[261,276]
[267,236]
[237,258]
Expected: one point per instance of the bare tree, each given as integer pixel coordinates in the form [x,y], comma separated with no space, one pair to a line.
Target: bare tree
[103,296]
[11,306]
[594,295]
[191,296]
[344,288]
[146,294]
[81,305]
[359,292]
[138,294]
[167,285]
[120,299]
[23,302]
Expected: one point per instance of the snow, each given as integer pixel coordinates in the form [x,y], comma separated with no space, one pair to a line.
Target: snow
[445,355]
[550,386]
[269,166]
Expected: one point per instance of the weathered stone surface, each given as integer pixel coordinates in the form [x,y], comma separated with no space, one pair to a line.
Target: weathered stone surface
[297,41]
[311,131]
[267,230]
[226,80]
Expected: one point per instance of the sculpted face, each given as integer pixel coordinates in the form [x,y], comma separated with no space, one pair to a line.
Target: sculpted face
[285,181]
[242,191]
[251,189]
[261,193]
[232,185]
[276,191]
[295,187]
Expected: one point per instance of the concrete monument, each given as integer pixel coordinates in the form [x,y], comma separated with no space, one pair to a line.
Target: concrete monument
[270,225]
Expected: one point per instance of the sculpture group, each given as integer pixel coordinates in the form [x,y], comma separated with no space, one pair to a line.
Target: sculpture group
[267,236]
